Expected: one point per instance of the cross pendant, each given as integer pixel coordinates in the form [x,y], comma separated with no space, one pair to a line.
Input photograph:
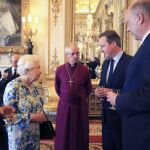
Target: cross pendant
[70,82]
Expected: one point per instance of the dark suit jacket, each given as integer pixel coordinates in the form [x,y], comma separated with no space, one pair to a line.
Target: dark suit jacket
[4,82]
[111,116]
[134,103]
[92,66]
[10,75]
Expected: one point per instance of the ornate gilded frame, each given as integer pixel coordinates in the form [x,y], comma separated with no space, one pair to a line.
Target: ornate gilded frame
[20,49]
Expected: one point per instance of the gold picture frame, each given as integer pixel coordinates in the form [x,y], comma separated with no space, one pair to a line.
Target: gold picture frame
[21,47]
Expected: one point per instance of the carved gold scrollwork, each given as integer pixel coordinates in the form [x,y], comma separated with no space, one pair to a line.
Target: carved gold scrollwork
[108,19]
[55,9]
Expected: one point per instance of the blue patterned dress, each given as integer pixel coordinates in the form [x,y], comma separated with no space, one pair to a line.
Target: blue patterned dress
[22,134]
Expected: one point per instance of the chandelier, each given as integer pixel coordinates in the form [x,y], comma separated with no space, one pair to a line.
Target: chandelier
[89,20]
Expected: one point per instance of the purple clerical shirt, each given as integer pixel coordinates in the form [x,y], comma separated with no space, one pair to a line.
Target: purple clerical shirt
[73,85]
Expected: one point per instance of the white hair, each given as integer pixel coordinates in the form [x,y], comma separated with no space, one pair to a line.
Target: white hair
[27,62]
[69,48]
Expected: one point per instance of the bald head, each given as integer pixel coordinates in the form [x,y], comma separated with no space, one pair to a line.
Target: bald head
[142,6]
[137,18]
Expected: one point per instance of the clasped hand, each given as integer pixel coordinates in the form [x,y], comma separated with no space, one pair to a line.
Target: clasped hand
[111,97]
[102,92]
[108,93]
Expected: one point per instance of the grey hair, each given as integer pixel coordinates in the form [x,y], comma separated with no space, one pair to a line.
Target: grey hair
[27,62]
[67,50]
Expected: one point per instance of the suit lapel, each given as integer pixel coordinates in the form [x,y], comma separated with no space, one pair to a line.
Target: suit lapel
[141,48]
[119,65]
[9,72]
[106,65]
[117,69]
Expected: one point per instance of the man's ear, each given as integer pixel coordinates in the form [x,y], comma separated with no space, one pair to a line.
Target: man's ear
[140,17]
[114,43]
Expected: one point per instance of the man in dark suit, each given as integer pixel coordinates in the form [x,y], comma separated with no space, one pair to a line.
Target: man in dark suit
[9,74]
[133,103]
[117,63]
[3,83]
[12,71]
[92,66]
[6,76]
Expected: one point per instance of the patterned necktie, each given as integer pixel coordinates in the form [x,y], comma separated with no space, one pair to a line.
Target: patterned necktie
[111,70]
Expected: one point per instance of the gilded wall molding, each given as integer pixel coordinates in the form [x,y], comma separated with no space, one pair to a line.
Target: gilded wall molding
[49,27]
[55,7]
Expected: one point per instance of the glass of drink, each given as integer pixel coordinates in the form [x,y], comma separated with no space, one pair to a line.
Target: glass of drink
[98,92]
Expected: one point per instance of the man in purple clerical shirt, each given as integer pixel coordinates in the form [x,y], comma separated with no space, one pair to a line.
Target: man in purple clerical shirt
[73,86]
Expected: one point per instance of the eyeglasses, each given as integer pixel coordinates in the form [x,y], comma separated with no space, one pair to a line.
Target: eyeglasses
[76,53]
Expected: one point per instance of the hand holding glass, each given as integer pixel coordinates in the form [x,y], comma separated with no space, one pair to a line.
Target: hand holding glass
[100,92]
[7,111]
[117,91]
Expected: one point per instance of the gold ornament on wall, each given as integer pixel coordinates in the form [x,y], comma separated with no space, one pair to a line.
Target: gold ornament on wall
[54,62]
[55,9]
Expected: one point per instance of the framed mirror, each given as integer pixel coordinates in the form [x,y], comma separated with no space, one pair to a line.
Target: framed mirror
[11,37]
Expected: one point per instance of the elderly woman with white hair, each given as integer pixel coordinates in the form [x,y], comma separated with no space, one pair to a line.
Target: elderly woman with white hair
[22,94]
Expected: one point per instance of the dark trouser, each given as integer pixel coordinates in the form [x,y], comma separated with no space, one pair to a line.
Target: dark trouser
[3,136]
[111,138]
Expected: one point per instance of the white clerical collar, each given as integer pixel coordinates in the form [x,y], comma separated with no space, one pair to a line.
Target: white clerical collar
[73,65]
[145,36]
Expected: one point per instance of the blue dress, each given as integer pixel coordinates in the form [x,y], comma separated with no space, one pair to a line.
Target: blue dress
[22,134]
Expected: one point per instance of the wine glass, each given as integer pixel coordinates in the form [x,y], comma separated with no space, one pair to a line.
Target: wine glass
[117,91]
[99,87]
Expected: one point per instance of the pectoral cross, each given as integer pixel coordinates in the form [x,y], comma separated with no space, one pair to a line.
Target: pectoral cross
[70,82]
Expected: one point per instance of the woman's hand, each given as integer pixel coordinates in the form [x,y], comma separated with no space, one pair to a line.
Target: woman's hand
[39,117]
[7,111]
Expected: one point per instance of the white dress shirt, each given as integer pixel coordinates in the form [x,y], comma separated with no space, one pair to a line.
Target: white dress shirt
[145,36]
[13,70]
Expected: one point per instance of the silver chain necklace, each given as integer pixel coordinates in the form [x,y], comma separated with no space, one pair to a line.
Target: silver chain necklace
[71,78]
